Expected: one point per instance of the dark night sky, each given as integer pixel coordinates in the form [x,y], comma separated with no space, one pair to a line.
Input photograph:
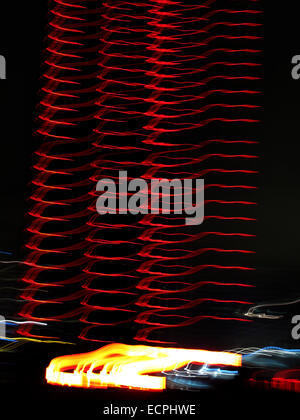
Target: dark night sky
[279,206]
[21,41]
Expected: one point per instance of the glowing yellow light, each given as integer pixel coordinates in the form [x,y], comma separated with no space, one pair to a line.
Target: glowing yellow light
[120,365]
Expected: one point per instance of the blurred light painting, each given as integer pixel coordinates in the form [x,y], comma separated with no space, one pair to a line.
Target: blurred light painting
[137,367]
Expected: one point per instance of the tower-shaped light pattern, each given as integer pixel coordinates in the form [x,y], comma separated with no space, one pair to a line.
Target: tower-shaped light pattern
[161,89]
[62,168]
[205,96]
[179,98]
[114,241]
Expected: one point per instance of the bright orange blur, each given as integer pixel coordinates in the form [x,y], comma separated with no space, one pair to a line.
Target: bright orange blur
[120,365]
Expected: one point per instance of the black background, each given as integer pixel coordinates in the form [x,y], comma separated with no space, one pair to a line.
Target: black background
[21,33]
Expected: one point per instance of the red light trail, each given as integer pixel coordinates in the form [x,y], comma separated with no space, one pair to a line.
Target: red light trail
[162,89]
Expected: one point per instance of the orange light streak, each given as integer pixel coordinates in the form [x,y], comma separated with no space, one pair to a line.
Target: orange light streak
[120,365]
